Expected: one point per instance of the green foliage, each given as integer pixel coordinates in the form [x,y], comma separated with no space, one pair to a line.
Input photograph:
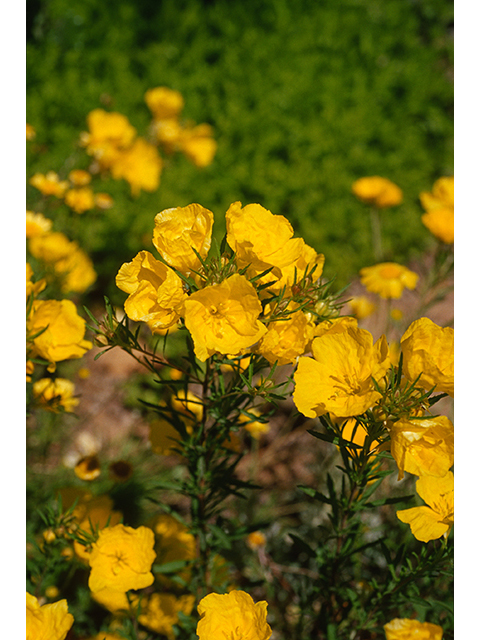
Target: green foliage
[304,97]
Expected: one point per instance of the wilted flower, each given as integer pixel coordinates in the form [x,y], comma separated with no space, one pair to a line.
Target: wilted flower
[80,199]
[422,446]
[377,191]
[405,629]
[55,394]
[47,622]
[49,184]
[428,352]
[121,559]
[436,520]
[234,616]
[37,224]
[180,230]
[223,318]
[388,279]
[140,165]
[156,291]
[339,377]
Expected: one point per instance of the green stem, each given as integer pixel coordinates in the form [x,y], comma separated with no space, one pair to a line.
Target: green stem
[376,233]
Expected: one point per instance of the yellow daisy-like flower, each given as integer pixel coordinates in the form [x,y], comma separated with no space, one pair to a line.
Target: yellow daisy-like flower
[378,191]
[179,230]
[156,292]
[37,224]
[428,352]
[441,196]
[198,145]
[436,520]
[233,616]
[121,559]
[140,165]
[54,394]
[256,540]
[47,622]
[361,307]
[423,446]
[223,318]
[164,103]
[388,279]
[339,377]
[405,629]
[49,184]
[80,199]
[159,611]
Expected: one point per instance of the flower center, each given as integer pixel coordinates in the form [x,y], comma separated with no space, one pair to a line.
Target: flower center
[390,271]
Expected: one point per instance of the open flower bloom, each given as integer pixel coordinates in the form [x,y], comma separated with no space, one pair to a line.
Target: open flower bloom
[47,622]
[54,394]
[439,207]
[109,132]
[164,103]
[405,629]
[223,318]
[173,542]
[80,199]
[428,352]
[380,192]
[233,616]
[37,224]
[178,230]
[286,339]
[140,165]
[156,291]
[121,559]
[262,240]
[436,520]
[49,184]
[441,196]
[33,287]
[79,177]
[159,611]
[423,446]
[388,279]
[63,337]
[198,145]
[339,377]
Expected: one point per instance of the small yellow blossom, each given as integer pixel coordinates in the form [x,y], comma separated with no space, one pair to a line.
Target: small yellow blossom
[255,540]
[439,207]
[362,307]
[122,558]
[156,292]
[377,191]
[436,520]
[37,224]
[178,230]
[168,133]
[286,339]
[33,287]
[254,427]
[388,279]
[441,196]
[173,542]
[63,337]
[103,201]
[164,103]
[339,378]
[422,446]
[405,629]
[223,318]
[55,394]
[80,199]
[428,352]
[159,611]
[79,177]
[198,145]
[52,592]
[140,165]
[47,622]
[234,616]
[49,184]
[88,468]
[109,133]
[31,133]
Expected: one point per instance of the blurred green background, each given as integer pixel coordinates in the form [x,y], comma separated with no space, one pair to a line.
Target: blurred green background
[304,96]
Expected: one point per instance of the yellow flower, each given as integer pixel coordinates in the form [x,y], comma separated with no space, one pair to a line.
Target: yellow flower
[361,307]
[423,446]
[64,330]
[140,165]
[441,196]
[223,318]
[53,394]
[121,559]
[428,352]
[80,199]
[79,177]
[31,133]
[377,191]
[103,201]
[198,144]
[178,230]
[37,224]
[436,520]
[164,103]
[47,622]
[355,432]
[262,240]
[88,468]
[233,616]
[159,611]
[168,133]
[108,134]
[255,540]
[335,325]
[156,292]
[286,339]
[254,427]
[405,629]
[33,287]
[51,247]
[49,184]
[113,600]
[339,378]
[92,513]
[173,542]
[439,207]
[388,279]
